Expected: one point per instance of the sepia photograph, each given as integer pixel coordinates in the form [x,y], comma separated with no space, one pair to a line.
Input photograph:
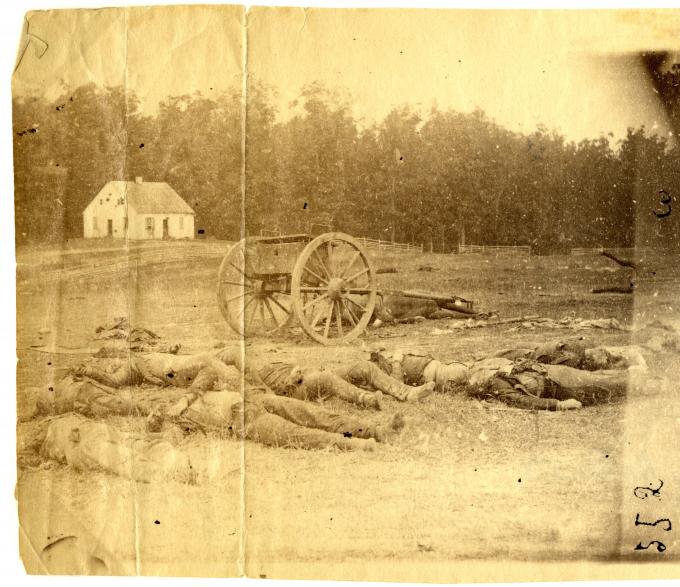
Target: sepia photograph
[348,294]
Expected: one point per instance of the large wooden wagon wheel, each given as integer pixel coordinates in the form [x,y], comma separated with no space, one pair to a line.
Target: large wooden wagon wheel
[333,288]
[251,302]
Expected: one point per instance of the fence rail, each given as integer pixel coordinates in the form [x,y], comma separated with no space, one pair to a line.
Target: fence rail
[371,243]
[494,250]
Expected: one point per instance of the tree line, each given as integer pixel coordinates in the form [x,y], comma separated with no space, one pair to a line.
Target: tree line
[439,179]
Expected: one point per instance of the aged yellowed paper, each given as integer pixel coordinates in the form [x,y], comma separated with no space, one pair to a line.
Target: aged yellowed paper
[348,294]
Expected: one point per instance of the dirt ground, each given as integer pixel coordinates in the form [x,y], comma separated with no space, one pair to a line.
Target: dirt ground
[465,479]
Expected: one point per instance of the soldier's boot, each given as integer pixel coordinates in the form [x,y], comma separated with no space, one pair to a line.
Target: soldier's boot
[417,394]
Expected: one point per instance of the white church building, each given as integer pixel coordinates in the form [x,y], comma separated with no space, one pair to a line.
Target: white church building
[138,210]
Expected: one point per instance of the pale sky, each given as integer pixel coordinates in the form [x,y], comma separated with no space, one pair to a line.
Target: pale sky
[521,67]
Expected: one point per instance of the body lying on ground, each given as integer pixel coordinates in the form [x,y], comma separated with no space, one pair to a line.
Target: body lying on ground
[203,371]
[210,371]
[540,379]
[343,382]
[580,354]
[71,437]
[390,309]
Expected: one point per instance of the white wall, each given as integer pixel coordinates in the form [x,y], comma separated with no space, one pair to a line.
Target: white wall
[110,205]
[106,206]
[137,228]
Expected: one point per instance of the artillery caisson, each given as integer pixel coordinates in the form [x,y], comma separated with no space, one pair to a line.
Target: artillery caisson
[327,283]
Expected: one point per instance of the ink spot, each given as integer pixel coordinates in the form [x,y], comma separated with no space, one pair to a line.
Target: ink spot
[171,375]
[49,363]
[28,131]
[519,480]
[347,434]
[201,231]
[50,388]
[304,207]
[157,522]
[60,107]
[606,456]
[141,145]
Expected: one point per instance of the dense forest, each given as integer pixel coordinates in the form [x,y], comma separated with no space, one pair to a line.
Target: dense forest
[436,180]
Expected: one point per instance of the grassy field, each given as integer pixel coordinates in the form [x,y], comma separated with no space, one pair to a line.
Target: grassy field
[465,479]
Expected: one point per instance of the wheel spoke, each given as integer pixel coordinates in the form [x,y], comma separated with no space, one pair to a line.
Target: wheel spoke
[352,318]
[364,291]
[329,253]
[271,313]
[328,320]
[321,279]
[242,311]
[338,313]
[314,301]
[252,315]
[310,289]
[357,304]
[260,303]
[242,284]
[236,297]
[317,316]
[349,265]
[241,271]
[279,304]
[322,264]
[356,275]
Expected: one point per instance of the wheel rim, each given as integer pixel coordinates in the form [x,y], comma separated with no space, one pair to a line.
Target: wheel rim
[246,303]
[333,289]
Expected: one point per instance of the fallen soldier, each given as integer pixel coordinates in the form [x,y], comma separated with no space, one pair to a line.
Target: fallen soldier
[535,386]
[578,353]
[263,417]
[525,383]
[312,384]
[204,371]
[275,420]
[92,398]
[391,309]
[121,339]
[209,371]
[87,445]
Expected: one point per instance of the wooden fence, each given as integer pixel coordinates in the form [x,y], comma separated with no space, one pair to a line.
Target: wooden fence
[494,250]
[370,243]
